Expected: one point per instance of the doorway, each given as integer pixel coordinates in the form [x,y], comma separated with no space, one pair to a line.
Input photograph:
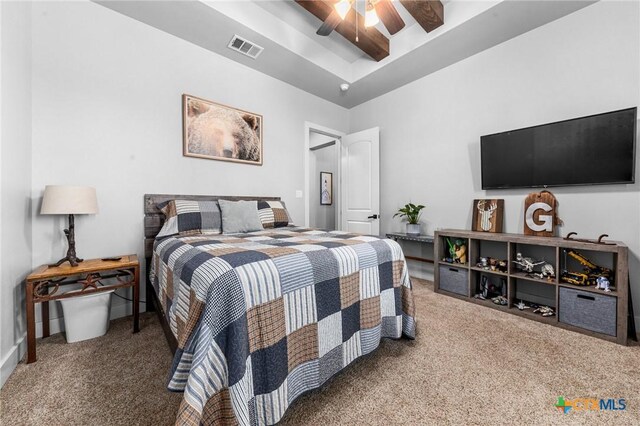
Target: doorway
[323,176]
[350,166]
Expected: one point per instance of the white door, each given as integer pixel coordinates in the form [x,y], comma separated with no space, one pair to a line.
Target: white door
[360,182]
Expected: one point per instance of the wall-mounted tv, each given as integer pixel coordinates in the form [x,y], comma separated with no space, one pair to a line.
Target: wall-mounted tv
[593,150]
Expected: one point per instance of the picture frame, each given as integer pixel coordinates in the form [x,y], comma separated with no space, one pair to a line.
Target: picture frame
[326,188]
[488,215]
[214,131]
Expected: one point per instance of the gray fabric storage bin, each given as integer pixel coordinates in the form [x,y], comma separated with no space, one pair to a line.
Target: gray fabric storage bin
[592,311]
[454,279]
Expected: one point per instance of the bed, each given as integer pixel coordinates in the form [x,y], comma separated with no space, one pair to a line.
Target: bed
[256,319]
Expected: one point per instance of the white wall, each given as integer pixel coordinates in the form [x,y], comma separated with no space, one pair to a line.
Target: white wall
[107,113]
[15,177]
[585,63]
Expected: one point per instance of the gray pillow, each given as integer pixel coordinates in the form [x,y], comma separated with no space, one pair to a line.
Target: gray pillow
[239,216]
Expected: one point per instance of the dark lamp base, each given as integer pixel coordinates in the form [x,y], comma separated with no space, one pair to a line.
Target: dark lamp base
[71,251]
[73,261]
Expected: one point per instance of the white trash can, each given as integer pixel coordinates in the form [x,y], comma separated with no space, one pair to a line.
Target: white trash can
[86,317]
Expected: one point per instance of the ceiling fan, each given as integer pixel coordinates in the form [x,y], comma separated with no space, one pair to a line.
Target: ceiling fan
[375,11]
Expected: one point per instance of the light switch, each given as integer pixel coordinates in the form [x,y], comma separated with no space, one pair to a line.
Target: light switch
[298,193]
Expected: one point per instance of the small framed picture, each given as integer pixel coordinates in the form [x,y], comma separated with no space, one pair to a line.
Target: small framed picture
[326,188]
[488,215]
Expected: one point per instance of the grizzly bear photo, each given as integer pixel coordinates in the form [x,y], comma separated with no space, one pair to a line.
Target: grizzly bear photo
[219,132]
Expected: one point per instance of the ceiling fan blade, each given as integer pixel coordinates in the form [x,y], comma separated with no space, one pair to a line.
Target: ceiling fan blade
[329,24]
[389,16]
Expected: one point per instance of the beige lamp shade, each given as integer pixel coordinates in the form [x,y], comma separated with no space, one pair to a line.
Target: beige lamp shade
[65,199]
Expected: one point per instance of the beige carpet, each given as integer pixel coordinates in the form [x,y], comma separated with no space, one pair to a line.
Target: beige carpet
[468,365]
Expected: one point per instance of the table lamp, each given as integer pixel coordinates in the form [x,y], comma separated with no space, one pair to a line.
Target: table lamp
[64,199]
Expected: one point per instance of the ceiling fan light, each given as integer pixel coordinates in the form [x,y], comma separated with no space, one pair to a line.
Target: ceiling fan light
[343,7]
[371,18]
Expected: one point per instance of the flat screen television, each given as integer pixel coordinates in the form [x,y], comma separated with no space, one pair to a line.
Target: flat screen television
[593,150]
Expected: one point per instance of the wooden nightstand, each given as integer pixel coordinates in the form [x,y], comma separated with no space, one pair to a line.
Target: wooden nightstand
[44,283]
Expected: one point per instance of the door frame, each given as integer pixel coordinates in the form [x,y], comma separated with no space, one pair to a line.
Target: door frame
[316,128]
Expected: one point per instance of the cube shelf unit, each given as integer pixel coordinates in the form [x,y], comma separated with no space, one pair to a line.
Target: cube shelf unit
[584,309]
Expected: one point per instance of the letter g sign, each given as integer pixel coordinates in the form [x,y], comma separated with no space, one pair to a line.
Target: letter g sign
[545,221]
[540,214]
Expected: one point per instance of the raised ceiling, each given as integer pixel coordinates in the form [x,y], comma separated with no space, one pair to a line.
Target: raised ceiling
[352,24]
[294,53]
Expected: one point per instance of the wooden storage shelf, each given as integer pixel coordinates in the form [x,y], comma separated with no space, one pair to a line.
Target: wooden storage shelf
[489,303]
[464,265]
[528,313]
[587,310]
[523,276]
[489,271]
[589,288]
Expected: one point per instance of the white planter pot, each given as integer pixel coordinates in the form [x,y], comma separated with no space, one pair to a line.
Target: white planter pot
[413,229]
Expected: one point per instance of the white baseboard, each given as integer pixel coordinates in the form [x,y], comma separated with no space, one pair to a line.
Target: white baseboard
[56,325]
[10,361]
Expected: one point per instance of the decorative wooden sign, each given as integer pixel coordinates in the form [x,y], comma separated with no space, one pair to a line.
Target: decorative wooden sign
[540,214]
[488,215]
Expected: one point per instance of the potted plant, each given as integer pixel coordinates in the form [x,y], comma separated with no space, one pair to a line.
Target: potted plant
[412,213]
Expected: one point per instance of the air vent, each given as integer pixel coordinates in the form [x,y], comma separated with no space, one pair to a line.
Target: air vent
[245,47]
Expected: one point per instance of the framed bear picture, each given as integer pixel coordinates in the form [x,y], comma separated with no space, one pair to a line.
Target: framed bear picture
[219,132]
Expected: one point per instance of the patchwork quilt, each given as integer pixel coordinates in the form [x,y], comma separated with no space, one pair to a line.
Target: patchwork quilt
[263,317]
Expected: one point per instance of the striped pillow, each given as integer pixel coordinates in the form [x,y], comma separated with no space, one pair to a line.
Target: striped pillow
[190,217]
[273,214]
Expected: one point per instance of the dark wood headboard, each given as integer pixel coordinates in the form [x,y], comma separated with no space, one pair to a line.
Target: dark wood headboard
[153,217]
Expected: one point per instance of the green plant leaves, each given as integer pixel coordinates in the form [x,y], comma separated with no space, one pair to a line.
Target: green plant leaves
[411,212]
